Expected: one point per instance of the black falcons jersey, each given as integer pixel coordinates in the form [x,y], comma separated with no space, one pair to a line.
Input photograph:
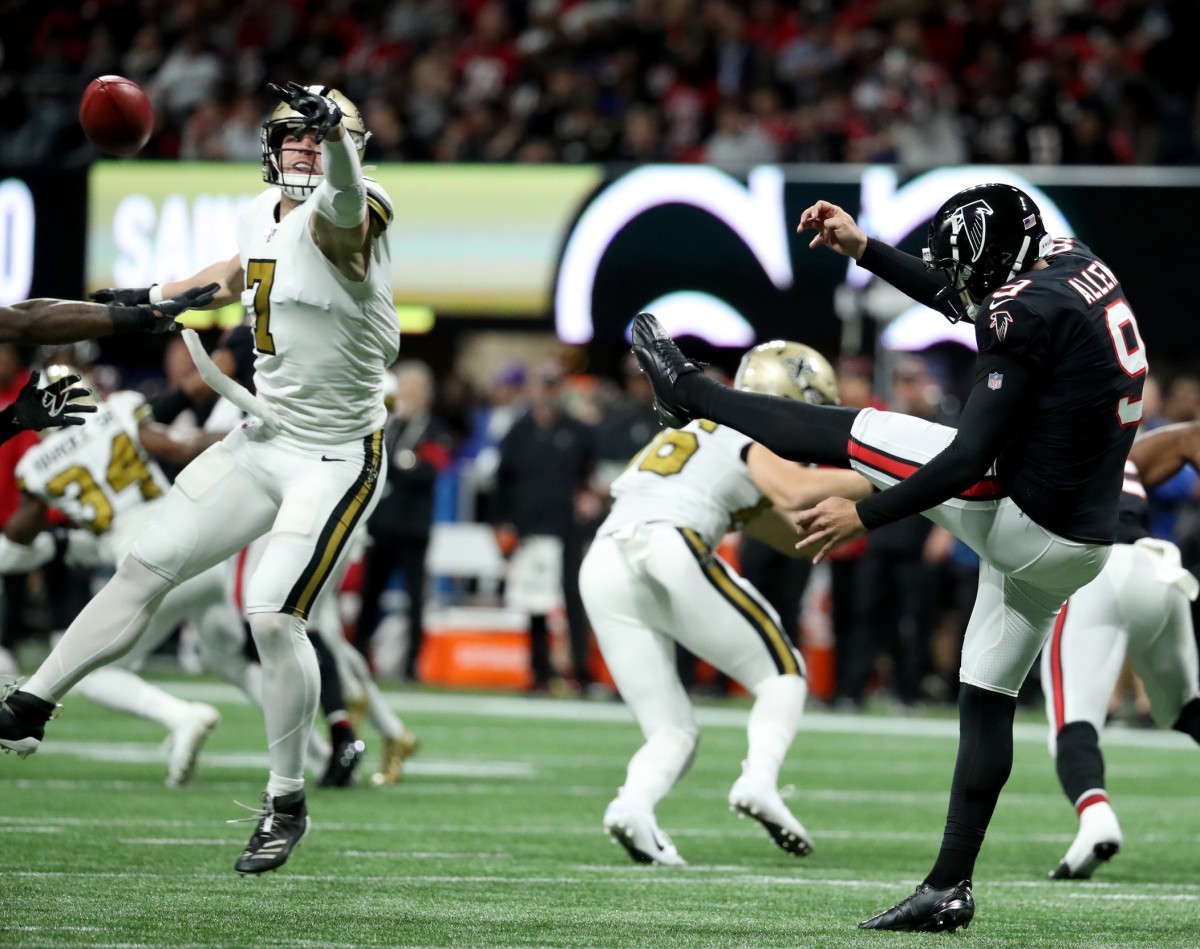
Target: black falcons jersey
[1069,323]
[1133,521]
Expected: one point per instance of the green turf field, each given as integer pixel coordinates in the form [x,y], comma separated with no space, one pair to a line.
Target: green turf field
[494,839]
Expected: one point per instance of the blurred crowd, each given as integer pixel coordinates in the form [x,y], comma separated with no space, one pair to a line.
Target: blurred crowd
[918,82]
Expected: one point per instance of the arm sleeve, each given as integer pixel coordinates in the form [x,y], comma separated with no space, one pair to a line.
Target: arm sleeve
[908,275]
[986,420]
[342,197]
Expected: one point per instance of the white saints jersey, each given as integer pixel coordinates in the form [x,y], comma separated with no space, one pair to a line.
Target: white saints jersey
[322,341]
[693,477]
[97,471]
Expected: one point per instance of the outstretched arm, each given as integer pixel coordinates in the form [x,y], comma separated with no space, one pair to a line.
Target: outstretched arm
[837,230]
[1161,453]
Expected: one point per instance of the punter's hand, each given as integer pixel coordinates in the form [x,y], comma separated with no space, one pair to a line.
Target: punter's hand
[835,229]
[831,523]
[320,113]
[51,407]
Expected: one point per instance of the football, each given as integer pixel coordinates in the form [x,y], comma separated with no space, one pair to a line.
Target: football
[116,115]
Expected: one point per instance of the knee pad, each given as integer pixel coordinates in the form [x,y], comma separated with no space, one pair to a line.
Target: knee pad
[273,629]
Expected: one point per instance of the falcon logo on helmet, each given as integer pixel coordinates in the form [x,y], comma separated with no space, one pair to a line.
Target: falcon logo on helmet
[284,120]
[970,221]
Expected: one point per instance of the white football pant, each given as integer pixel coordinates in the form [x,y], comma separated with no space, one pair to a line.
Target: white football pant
[651,585]
[1027,572]
[1138,604]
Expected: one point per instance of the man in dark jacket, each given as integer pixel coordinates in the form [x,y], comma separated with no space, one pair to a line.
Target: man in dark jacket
[418,449]
[545,460]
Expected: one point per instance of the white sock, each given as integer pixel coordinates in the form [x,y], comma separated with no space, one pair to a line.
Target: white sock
[278,786]
[105,629]
[291,686]
[774,717]
[658,764]
[120,690]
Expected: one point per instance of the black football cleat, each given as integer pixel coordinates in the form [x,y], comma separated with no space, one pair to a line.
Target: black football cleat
[282,823]
[662,361]
[928,910]
[23,720]
[343,762]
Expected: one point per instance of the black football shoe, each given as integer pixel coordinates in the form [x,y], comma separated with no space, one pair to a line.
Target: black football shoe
[662,361]
[928,910]
[343,762]
[23,720]
[282,824]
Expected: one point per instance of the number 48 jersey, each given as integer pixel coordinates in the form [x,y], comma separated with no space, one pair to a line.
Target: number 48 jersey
[97,471]
[693,477]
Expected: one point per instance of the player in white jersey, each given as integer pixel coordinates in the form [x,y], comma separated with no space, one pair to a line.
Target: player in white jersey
[315,267]
[103,479]
[652,579]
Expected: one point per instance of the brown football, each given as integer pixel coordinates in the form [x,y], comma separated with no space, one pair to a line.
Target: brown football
[116,115]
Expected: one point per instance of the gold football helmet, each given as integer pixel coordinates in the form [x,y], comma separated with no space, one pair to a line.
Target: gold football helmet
[792,370]
[286,119]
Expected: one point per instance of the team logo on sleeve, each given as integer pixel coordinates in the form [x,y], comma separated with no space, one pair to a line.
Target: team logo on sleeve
[999,323]
[971,219]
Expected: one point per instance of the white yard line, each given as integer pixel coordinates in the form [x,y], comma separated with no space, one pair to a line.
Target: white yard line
[529,708]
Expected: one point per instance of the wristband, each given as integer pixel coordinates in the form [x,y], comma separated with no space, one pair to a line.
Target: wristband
[130,319]
[155,293]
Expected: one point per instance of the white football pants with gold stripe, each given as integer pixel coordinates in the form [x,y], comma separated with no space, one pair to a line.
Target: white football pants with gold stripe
[308,498]
[652,585]
[1027,572]
[1138,604]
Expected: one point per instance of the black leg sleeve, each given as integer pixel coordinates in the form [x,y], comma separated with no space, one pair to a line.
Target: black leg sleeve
[985,755]
[1189,720]
[332,699]
[1078,761]
[794,430]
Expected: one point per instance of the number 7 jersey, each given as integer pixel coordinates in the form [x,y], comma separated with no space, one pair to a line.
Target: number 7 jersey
[692,477]
[95,472]
[322,341]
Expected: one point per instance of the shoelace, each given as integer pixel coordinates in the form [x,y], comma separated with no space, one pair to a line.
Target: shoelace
[265,813]
[673,356]
[10,684]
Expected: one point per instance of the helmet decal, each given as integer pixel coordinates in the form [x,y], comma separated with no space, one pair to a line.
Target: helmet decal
[972,218]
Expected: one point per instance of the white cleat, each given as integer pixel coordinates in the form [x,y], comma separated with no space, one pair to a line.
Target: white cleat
[635,829]
[762,802]
[1097,842]
[186,742]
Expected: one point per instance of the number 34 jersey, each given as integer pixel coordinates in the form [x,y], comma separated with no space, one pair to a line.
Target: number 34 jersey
[95,472]
[693,477]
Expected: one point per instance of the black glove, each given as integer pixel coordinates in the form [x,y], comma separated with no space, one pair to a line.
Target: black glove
[50,407]
[121,297]
[160,317]
[320,112]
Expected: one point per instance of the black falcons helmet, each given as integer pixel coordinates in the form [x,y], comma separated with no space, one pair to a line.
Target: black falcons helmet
[982,238]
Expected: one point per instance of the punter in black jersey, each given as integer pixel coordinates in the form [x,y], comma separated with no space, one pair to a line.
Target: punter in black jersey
[1139,605]
[1030,480]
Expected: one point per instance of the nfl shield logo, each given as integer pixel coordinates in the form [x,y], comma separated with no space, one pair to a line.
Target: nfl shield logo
[995,380]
